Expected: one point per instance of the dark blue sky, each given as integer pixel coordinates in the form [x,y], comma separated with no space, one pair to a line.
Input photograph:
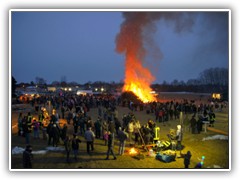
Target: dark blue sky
[81,46]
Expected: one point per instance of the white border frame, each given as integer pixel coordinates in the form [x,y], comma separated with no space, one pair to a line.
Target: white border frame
[119,10]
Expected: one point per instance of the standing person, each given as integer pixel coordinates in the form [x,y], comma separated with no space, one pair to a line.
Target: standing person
[76,123]
[68,147]
[69,117]
[97,126]
[100,111]
[20,128]
[105,137]
[179,137]
[50,132]
[26,130]
[111,126]
[41,118]
[75,146]
[29,120]
[27,157]
[137,127]
[130,131]
[160,116]
[211,118]
[117,124]
[55,113]
[110,145]
[193,122]
[56,134]
[44,129]
[64,132]
[89,136]
[104,128]
[147,134]
[122,136]
[82,124]
[62,111]
[187,158]
[36,126]
[199,124]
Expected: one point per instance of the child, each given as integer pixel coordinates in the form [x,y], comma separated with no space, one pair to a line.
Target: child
[105,136]
[187,158]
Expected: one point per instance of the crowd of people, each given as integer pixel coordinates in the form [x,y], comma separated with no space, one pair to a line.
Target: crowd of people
[108,127]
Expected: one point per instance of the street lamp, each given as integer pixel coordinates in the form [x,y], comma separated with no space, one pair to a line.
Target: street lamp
[102,89]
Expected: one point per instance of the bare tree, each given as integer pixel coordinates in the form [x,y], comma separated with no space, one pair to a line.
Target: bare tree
[40,81]
[214,76]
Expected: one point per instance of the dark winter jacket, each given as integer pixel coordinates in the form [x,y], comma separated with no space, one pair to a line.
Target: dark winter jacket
[27,159]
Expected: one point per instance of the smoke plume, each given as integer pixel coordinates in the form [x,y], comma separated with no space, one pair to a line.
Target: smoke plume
[135,35]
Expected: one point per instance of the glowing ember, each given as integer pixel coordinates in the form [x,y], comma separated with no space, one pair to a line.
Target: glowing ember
[133,151]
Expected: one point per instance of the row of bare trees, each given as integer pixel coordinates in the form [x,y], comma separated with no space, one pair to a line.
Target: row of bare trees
[211,76]
[214,76]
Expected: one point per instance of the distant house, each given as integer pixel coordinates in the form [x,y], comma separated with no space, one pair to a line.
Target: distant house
[216,95]
[51,88]
[31,89]
[220,96]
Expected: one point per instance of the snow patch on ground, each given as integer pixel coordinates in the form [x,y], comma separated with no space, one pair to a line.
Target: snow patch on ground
[40,152]
[215,167]
[215,137]
[19,150]
[50,148]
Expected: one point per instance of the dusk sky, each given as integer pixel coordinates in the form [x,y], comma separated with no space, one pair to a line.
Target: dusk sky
[81,46]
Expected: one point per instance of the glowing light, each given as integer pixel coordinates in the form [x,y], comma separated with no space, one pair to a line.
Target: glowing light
[202,160]
[133,151]
[216,96]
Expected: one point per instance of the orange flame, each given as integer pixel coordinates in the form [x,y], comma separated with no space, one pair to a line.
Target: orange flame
[130,41]
[137,80]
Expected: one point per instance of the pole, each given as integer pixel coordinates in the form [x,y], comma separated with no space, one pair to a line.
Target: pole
[141,137]
[142,140]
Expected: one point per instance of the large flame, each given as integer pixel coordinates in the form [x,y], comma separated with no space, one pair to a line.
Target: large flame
[130,42]
[138,84]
